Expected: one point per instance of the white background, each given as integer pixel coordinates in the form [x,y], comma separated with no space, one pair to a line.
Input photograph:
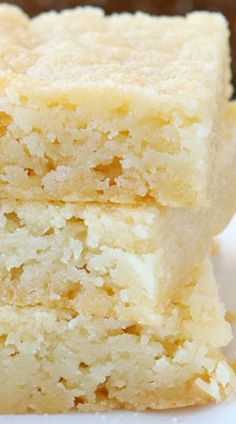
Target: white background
[225,267]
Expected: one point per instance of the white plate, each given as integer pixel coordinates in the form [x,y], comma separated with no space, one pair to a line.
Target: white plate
[225,267]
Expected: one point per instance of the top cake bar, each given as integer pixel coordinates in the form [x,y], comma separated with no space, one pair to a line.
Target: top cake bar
[113,109]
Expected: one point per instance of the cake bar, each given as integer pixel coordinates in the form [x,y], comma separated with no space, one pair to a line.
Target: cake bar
[51,362]
[111,109]
[121,262]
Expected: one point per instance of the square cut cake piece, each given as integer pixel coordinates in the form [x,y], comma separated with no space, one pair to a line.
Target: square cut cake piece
[51,362]
[111,109]
[110,260]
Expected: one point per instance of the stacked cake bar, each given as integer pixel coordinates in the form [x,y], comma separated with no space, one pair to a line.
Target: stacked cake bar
[117,169]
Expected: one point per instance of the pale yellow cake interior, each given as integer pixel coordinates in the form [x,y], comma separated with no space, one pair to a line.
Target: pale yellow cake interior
[119,261]
[50,362]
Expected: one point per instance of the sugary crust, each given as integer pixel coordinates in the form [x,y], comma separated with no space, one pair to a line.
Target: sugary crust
[160,55]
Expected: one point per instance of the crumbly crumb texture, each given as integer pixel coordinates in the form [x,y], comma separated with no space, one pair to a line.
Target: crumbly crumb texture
[120,261]
[91,109]
[107,306]
[51,362]
[113,261]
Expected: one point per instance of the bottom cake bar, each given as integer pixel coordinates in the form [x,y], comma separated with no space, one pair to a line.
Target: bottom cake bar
[52,362]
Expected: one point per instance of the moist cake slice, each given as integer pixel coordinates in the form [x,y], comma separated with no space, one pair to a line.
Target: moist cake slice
[51,362]
[111,109]
[111,260]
